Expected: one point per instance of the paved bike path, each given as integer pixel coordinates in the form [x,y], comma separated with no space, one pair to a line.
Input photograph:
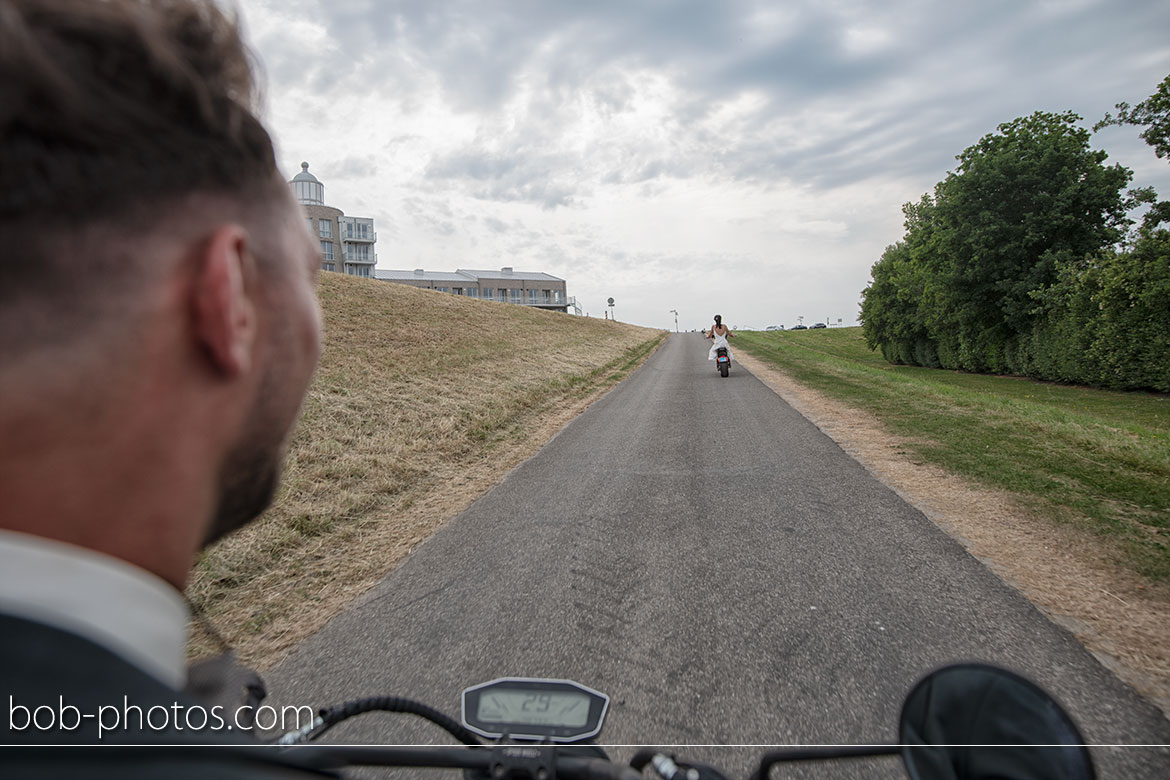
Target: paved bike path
[698,550]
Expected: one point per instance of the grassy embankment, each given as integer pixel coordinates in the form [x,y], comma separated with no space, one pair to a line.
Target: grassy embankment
[421,402]
[1093,458]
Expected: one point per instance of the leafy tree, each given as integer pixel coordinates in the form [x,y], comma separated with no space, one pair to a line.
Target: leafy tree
[1021,200]
[1153,113]
[1008,265]
[887,313]
[895,313]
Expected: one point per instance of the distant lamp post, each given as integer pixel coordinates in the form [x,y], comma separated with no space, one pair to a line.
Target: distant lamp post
[675,313]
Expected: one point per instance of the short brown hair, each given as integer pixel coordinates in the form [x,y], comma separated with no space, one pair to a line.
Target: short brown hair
[109,102]
[111,111]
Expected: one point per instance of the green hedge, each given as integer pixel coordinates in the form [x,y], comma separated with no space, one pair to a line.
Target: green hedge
[1011,267]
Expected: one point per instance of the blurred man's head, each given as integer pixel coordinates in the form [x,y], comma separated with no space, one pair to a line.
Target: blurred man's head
[158,318]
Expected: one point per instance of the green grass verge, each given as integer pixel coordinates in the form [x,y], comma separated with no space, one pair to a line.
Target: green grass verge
[1096,458]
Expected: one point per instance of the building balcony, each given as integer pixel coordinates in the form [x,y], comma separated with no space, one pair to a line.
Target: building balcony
[356,238]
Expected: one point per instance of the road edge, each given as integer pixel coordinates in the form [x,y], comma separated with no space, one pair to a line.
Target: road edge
[1091,616]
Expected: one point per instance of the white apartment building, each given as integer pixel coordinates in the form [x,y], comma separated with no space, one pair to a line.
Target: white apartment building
[347,243]
[527,288]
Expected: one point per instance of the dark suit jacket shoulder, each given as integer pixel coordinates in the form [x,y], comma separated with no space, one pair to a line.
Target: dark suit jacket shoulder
[59,689]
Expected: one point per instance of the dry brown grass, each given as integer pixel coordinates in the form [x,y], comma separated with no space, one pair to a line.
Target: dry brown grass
[422,401]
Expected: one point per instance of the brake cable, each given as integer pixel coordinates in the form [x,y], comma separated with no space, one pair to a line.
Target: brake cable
[328,717]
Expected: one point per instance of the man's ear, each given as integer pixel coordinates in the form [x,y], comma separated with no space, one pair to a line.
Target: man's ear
[223,310]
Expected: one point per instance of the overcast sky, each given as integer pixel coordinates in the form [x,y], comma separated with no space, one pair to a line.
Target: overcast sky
[742,158]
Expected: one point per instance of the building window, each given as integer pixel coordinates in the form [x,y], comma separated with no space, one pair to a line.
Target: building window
[457,290]
[325,227]
[443,289]
[489,294]
[514,295]
[359,253]
[327,251]
[355,229]
[472,292]
[532,296]
[328,267]
[545,296]
[558,296]
[310,193]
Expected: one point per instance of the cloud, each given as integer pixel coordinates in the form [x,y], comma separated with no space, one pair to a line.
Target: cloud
[495,225]
[355,167]
[434,216]
[887,75]
[513,176]
[622,139]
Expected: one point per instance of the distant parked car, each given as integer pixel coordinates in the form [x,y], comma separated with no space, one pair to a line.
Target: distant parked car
[774,327]
[818,325]
[800,327]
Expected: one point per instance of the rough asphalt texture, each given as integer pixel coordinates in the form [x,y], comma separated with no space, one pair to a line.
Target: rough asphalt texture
[699,551]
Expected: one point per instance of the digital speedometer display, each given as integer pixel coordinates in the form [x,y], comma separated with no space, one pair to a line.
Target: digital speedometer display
[538,708]
[534,709]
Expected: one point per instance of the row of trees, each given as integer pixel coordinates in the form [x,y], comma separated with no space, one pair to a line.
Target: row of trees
[1023,261]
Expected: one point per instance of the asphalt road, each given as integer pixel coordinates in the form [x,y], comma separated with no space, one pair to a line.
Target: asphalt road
[699,551]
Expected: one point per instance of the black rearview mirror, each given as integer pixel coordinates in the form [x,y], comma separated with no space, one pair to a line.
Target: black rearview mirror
[973,721]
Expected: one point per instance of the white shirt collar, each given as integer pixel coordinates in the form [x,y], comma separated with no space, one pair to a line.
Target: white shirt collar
[117,605]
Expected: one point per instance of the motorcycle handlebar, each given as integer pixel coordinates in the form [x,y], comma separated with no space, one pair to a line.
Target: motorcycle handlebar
[594,769]
[939,733]
[341,756]
[497,761]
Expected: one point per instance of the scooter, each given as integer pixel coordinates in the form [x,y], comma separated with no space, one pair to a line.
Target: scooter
[722,361]
[960,722]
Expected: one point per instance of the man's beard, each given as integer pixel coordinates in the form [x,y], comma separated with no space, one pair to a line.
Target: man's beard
[251,470]
[247,486]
